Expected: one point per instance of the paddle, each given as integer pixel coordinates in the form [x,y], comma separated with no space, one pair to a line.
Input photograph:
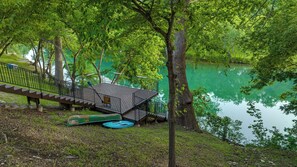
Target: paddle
[90,84]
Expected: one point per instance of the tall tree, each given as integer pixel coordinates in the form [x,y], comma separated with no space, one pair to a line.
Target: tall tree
[58,59]
[186,116]
[161,16]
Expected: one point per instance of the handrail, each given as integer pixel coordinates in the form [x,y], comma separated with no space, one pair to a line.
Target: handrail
[32,80]
[26,78]
[137,97]
[153,107]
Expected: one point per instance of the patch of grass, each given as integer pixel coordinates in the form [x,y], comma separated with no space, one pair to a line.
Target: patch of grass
[22,100]
[32,133]
[48,103]
[16,59]
[13,99]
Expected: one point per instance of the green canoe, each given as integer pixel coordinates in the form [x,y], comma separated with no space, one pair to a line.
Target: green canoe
[86,119]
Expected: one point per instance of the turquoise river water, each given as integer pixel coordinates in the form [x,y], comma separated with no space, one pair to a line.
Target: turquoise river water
[223,86]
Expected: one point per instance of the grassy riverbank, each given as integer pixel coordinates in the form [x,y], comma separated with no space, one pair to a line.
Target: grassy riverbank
[42,139]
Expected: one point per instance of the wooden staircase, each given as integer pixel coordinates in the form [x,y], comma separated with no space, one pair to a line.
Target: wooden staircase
[38,95]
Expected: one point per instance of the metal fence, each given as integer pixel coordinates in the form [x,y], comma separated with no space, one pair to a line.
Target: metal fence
[31,80]
[153,107]
[138,97]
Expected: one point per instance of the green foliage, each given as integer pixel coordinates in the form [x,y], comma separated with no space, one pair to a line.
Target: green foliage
[206,112]
[138,58]
[271,137]
[291,137]
[215,28]
[202,103]
[274,39]
[258,128]
[133,51]
[222,127]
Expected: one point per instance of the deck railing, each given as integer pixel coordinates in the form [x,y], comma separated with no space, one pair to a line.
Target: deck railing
[138,97]
[152,107]
[31,80]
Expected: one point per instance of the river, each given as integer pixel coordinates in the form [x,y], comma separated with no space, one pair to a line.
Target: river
[223,85]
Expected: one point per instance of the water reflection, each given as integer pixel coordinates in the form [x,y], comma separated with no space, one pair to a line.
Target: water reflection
[224,85]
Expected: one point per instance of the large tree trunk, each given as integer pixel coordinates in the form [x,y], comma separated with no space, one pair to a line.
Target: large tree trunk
[186,116]
[43,63]
[59,65]
[49,63]
[38,56]
[58,59]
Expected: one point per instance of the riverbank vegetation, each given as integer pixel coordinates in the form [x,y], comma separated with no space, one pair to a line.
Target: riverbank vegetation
[31,138]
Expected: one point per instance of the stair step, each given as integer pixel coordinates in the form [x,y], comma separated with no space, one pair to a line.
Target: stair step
[8,86]
[25,90]
[16,88]
[32,91]
[71,99]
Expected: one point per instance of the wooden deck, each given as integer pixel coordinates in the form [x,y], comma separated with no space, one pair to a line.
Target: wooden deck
[125,94]
[122,99]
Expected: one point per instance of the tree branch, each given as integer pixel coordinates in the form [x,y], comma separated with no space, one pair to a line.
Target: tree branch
[6,45]
[256,13]
[146,14]
[171,20]
[152,6]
